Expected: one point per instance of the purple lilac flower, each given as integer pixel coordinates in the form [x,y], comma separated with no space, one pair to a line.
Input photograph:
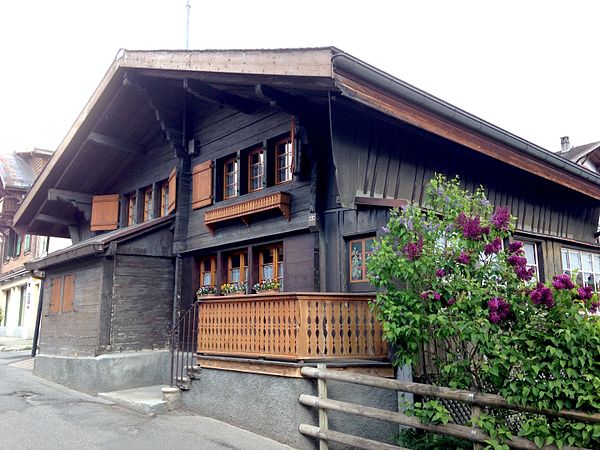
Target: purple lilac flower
[525,274]
[542,295]
[562,281]
[413,250]
[501,218]
[515,247]
[517,261]
[432,295]
[499,309]
[451,301]
[449,228]
[595,306]
[585,293]
[440,273]
[463,258]
[386,230]
[493,247]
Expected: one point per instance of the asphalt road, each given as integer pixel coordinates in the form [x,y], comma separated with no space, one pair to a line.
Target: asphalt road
[38,414]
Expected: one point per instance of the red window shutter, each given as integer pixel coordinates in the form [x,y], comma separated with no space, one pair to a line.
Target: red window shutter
[202,184]
[172,190]
[55,295]
[105,212]
[68,293]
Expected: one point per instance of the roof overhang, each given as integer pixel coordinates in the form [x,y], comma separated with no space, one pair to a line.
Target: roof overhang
[312,70]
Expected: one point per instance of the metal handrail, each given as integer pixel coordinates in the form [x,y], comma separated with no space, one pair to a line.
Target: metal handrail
[184,343]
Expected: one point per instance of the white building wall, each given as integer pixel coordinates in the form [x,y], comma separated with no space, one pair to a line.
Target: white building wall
[19,321]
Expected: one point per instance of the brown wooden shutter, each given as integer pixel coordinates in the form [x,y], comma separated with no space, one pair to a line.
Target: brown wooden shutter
[172,190]
[202,182]
[55,295]
[105,212]
[68,293]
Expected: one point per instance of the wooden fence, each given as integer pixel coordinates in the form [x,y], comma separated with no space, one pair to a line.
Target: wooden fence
[475,399]
[291,326]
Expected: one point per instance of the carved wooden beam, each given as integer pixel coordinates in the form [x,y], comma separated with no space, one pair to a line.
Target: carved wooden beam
[80,201]
[290,103]
[171,131]
[222,98]
[55,220]
[115,144]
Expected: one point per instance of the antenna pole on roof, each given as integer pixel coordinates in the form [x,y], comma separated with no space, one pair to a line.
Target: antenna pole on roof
[187,24]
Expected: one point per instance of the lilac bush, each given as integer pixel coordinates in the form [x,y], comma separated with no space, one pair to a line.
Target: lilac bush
[443,272]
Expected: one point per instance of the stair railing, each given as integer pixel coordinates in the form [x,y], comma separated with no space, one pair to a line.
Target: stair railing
[184,344]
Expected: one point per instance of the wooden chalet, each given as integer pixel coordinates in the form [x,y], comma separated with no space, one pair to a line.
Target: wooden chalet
[201,168]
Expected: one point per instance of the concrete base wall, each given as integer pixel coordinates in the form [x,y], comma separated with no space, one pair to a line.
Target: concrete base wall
[268,405]
[107,372]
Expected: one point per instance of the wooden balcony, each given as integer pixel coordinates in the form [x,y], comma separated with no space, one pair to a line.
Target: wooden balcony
[291,326]
[243,210]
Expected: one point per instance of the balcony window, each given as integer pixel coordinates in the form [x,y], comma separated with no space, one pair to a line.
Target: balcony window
[237,267]
[283,160]
[208,271]
[271,263]
[230,170]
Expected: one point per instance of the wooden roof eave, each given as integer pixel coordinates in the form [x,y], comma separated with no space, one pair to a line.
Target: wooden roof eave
[548,166]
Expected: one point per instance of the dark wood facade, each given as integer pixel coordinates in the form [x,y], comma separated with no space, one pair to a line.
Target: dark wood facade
[152,127]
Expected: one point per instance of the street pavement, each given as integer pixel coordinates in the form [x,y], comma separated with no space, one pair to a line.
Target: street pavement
[37,414]
[10,344]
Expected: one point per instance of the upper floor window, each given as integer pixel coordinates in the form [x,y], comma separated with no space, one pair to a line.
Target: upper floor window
[270,261]
[12,245]
[230,178]
[283,160]
[164,198]
[27,243]
[256,169]
[587,265]
[360,249]
[131,208]
[208,271]
[148,210]
[237,267]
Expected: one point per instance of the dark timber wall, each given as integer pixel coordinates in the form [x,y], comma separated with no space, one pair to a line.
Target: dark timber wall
[74,333]
[142,302]
[377,157]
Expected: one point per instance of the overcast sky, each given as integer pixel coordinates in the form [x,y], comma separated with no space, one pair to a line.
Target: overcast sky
[531,67]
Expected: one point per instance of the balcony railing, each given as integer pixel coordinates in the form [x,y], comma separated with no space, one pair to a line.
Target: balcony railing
[291,326]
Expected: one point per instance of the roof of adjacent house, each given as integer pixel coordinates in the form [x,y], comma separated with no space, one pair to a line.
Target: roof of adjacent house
[15,172]
[578,154]
[247,77]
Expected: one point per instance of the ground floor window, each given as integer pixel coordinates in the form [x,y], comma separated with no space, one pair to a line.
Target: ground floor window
[208,271]
[237,267]
[531,254]
[360,249]
[270,262]
[585,264]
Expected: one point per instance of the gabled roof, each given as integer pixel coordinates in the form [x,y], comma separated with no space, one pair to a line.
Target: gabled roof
[15,173]
[245,78]
[578,154]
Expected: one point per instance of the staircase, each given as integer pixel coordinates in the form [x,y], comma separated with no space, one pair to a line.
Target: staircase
[184,344]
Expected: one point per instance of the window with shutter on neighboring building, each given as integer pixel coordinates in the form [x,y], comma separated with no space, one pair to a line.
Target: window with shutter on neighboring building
[202,182]
[105,212]
[27,243]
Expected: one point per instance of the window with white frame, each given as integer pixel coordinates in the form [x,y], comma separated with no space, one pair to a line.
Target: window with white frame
[531,254]
[585,264]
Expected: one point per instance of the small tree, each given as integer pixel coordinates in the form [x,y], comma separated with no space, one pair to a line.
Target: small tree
[443,273]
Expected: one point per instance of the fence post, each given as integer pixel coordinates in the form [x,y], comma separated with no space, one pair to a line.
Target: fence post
[323,421]
[475,413]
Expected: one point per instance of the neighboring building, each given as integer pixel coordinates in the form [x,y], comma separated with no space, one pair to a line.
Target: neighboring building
[19,291]
[211,167]
[587,155]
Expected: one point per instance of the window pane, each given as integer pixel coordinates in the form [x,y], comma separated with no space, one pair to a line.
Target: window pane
[597,263]
[356,260]
[267,272]
[530,253]
[575,260]
[565,260]
[207,279]
[235,275]
[588,278]
[587,262]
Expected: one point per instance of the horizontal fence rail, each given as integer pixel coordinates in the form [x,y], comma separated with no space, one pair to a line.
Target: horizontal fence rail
[470,433]
[291,327]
